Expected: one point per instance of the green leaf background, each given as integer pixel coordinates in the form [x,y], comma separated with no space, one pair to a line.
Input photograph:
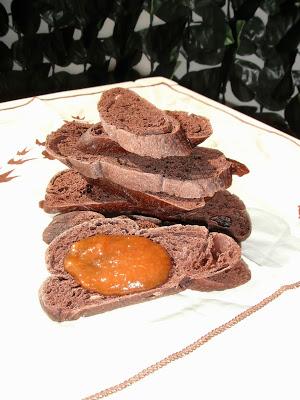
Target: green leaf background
[248,46]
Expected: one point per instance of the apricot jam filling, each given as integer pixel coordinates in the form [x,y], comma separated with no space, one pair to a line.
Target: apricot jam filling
[116,265]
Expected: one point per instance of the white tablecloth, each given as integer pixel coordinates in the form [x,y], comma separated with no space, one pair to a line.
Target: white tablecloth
[257,359]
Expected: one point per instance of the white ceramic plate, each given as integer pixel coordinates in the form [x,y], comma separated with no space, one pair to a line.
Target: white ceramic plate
[46,360]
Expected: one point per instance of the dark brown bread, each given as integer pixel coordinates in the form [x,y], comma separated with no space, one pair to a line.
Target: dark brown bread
[196,255]
[195,127]
[225,280]
[224,212]
[62,222]
[96,141]
[101,195]
[140,127]
[69,191]
[229,279]
[202,174]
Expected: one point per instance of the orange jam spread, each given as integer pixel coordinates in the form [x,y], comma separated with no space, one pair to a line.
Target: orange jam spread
[117,265]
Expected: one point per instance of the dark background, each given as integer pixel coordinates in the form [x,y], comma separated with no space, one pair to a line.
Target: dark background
[238,50]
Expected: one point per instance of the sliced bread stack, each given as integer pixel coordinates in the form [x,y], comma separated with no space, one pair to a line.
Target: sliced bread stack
[144,163]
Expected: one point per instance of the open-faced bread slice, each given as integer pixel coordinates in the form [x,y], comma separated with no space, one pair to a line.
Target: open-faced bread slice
[196,256]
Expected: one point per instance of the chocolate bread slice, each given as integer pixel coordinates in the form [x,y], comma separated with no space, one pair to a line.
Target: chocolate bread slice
[140,127]
[103,196]
[69,191]
[202,174]
[195,127]
[225,280]
[94,140]
[196,255]
[224,212]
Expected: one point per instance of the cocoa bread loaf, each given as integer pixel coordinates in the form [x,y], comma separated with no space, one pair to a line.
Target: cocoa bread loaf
[140,127]
[202,174]
[69,191]
[196,255]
